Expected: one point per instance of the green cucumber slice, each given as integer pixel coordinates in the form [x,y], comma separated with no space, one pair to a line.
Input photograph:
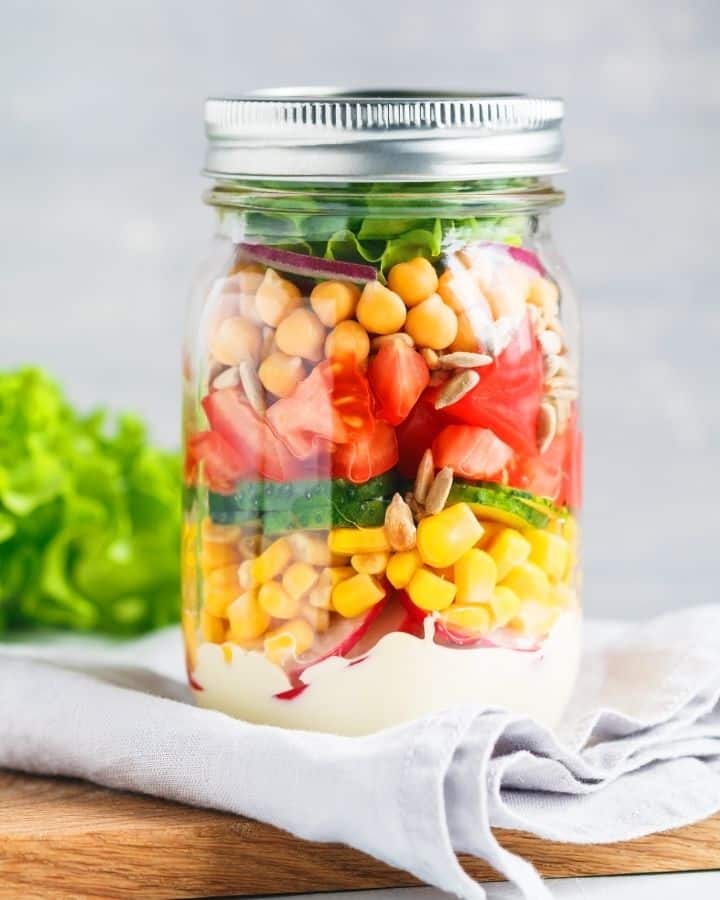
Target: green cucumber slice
[360,513]
[497,504]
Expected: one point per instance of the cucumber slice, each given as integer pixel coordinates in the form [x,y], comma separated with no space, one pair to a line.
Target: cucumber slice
[497,504]
[360,513]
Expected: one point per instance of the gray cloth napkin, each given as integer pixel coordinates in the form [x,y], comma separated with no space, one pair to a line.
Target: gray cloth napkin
[638,751]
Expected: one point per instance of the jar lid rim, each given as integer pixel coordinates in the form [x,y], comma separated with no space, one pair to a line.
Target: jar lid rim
[382,134]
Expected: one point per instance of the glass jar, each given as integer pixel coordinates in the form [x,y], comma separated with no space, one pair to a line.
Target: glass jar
[381,424]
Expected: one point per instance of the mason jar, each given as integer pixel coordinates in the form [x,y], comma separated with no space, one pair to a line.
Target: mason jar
[381,424]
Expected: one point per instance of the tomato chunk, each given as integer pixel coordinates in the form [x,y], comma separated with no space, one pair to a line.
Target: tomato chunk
[223,466]
[398,375]
[368,455]
[471,452]
[232,417]
[507,398]
[416,434]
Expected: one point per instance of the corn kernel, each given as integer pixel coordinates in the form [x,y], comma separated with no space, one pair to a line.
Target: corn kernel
[309,548]
[529,582]
[320,594]
[276,602]
[534,619]
[289,641]
[369,563]
[317,618]
[245,574]
[402,567]
[476,619]
[429,591]
[225,534]
[215,555]
[221,588]
[271,561]
[490,530]
[570,530]
[509,548]
[504,605]
[549,551]
[349,541]
[213,627]
[443,538]
[563,596]
[354,596]
[414,280]
[475,577]
[334,301]
[247,618]
[298,578]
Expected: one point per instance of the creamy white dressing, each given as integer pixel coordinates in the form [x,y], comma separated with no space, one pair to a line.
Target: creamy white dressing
[401,678]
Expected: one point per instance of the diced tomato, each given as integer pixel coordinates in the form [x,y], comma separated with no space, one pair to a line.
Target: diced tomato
[398,375]
[416,434]
[507,398]
[351,395]
[222,465]
[557,473]
[471,452]
[367,455]
[232,417]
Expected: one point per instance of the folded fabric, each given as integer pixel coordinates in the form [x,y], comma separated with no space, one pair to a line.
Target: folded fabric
[638,751]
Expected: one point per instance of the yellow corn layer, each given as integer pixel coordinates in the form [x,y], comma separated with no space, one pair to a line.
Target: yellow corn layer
[354,596]
[369,563]
[276,601]
[504,605]
[508,548]
[549,551]
[248,620]
[221,588]
[298,578]
[534,619]
[189,629]
[319,619]
[215,555]
[476,619]
[401,568]
[475,577]
[213,628]
[309,548]
[443,538]
[271,561]
[429,591]
[529,582]
[349,541]
[289,641]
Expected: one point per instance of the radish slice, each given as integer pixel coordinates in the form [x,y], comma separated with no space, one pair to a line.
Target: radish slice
[528,258]
[308,266]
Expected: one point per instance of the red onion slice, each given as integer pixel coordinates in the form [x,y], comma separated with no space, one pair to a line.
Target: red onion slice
[308,266]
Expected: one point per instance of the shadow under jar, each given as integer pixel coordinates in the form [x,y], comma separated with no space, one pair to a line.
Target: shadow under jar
[381,424]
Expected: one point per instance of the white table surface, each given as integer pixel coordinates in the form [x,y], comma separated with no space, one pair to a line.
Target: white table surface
[692,885]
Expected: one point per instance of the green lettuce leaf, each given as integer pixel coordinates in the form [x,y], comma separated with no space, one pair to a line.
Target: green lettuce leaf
[89,515]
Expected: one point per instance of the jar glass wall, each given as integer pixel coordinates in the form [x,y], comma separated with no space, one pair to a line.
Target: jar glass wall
[383,454]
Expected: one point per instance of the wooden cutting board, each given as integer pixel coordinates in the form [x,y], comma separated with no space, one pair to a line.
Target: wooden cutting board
[69,839]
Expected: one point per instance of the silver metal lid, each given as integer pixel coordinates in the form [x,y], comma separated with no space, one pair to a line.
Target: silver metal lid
[324,134]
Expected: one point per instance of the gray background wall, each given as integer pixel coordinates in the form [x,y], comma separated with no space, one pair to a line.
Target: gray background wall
[101,223]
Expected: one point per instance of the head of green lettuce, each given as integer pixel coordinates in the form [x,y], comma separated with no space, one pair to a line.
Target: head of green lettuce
[89,516]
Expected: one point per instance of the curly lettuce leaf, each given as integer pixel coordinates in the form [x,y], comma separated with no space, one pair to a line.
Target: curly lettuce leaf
[89,515]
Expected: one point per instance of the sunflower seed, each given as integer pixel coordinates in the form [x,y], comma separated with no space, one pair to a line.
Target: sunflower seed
[439,491]
[463,360]
[227,378]
[424,476]
[546,426]
[456,388]
[268,345]
[550,343]
[400,525]
[430,357]
[552,365]
[252,387]
[403,337]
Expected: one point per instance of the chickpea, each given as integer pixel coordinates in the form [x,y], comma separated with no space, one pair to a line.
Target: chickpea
[276,298]
[414,281]
[458,290]
[280,374]
[470,325]
[432,324]
[235,341]
[246,278]
[334,301]
[301,334]
[380,310]
[348,338]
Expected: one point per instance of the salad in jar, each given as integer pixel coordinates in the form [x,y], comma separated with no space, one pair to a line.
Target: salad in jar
[382,465]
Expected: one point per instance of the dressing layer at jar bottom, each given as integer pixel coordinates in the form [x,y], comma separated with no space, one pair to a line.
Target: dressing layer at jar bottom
[402,678]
